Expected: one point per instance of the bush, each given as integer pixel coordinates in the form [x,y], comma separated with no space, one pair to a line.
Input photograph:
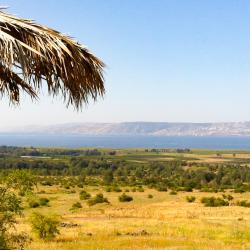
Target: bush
[99,198]
[214,202]
[243,203]
[43,201]
[239,190]
[84,195]
[188,189]
[33,204]
[162,189]
[125,198]
[76,205]
[45,227]
[113,189]
[10,207]
[172,192]
[227,197]
[150,196]
[116,189]
[190,198]
[140,189]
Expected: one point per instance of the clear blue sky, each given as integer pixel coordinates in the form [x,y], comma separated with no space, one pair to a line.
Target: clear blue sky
[167,60]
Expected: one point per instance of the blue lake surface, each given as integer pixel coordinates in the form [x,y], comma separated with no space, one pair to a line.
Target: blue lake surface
[74,141]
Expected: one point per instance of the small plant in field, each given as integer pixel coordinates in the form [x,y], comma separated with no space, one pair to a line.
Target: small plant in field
[239,190]
[99,198]
[188,189]
[162,189]
[45,227]
[33,203]
[227,197]
[108,189]
[140,189]
[127,190]
[84,195]
[125,198]
[76,205]
[173,192]
[190,198]
[80,185]
[243,203]
[113,189]
[43,201]
[150,196]
[133,190]
[214,202]
[116,189]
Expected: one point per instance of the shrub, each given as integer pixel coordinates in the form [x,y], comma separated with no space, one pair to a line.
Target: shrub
[214,202]
[190,198]
[125,198]
[84,195]
[162,189]
[21,180]
[140,189]
[172,192]
[188,189]
[43,201]
[243,203]
[227,197]
[150,196]
[46,183]
[133,189]
[239,190]
[116,189]
[108,189]
[10,207]
[113,189]
[45,227]
[33,204]
[76,205]
[99,198]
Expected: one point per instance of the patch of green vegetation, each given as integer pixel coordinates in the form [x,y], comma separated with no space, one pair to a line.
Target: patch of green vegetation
[99,198]
[125,198]
[190,199]
[214,202]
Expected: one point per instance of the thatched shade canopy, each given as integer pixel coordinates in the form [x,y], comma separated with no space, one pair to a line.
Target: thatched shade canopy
[31,55]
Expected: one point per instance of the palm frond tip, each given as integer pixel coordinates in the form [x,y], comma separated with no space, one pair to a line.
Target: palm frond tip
[31,54]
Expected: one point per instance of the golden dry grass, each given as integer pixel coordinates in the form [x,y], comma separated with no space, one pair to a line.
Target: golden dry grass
[170,223]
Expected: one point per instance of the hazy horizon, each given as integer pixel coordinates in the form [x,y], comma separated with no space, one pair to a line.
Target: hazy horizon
[166,60]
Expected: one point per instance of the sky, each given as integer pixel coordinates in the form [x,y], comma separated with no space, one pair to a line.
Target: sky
[167,60]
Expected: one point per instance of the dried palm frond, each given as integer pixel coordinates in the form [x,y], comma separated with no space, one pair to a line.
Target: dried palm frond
[31,54]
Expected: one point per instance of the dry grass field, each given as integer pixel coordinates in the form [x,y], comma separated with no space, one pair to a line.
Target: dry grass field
[163,222]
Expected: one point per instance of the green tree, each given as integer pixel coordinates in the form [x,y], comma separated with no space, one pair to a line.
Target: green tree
[45,227]
[21,180]
[108,177]
[10,206]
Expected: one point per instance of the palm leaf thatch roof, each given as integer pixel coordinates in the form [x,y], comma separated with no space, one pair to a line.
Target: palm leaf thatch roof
[31,55]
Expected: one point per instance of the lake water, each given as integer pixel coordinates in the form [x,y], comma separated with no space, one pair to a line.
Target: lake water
[73,141]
